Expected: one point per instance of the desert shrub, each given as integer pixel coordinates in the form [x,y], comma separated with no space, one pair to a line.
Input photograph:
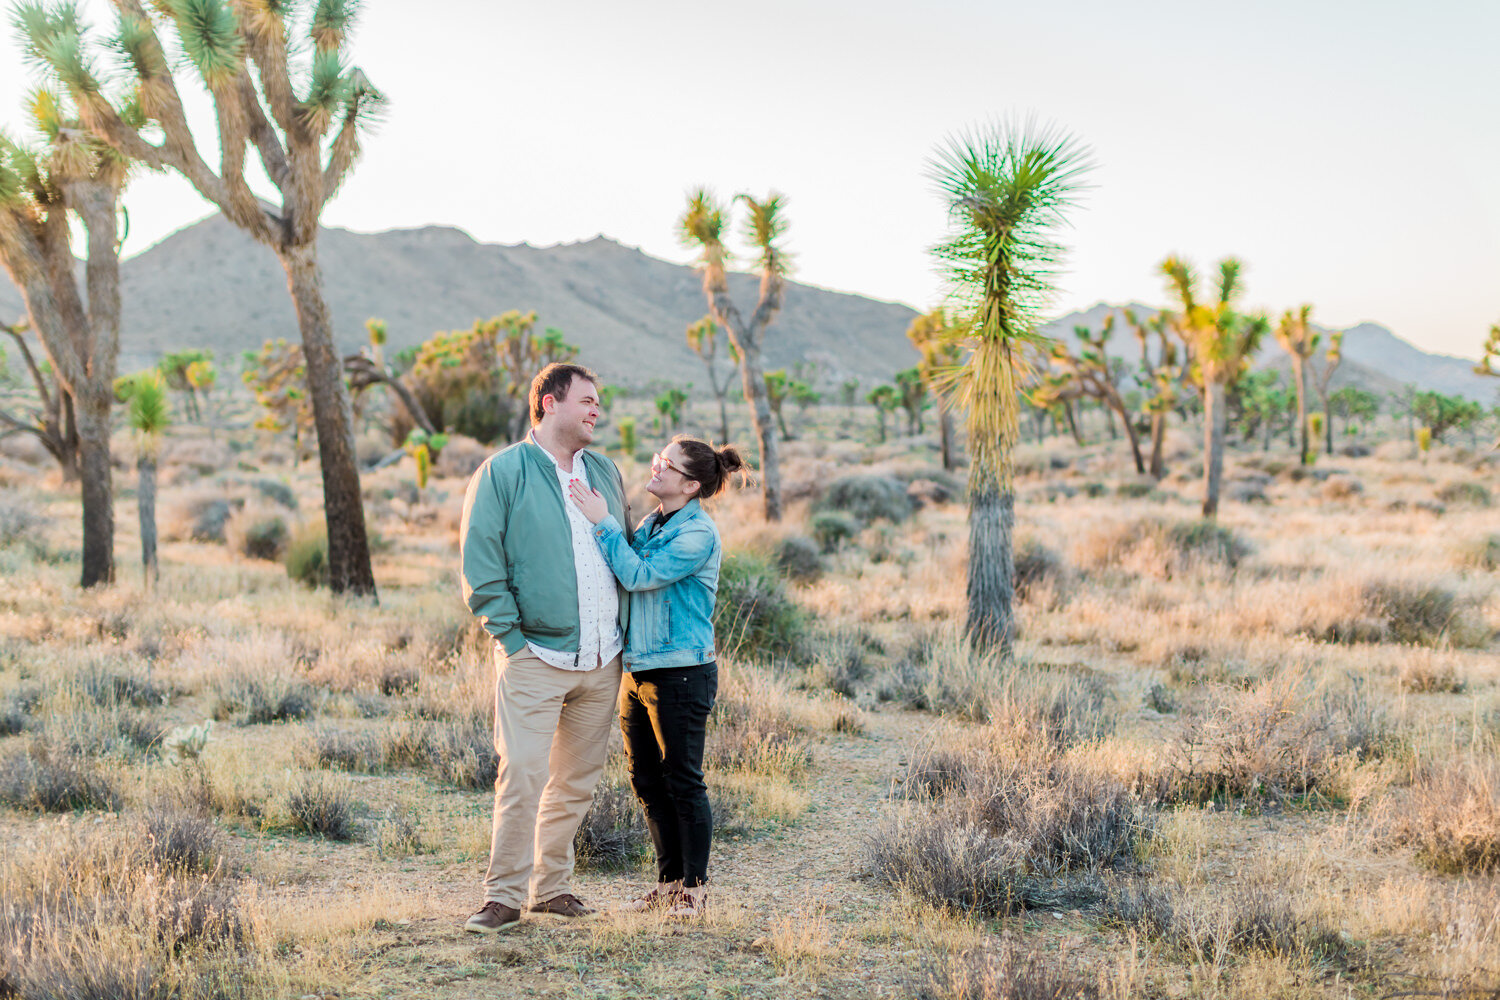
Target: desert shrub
[276,492]
[1054,813]
[461,457]
[1158,547]
[1036,565]
[186,838]
[322,807]
[256,699]
[748,734]
[89,916]
[868,498]
[398,680]
[21,521]
[463,754]
[106,685]
[343,751]
[1159,698]
[612,835]
[1233,920]
[832,529]
[1464,492]
[843,660]
[44,778]
[198,515]
[753,617]
[1481,553]
[399,834]
[257,533]
[1275,741]
[1008,975]
[1451,817]
[1341,487]
[799,559]
[939,859]
[1135,490]
[306,557]
[1417,613]
[100,732]
[1427,674]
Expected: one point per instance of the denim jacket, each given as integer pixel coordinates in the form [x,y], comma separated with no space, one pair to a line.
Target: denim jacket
[672,577]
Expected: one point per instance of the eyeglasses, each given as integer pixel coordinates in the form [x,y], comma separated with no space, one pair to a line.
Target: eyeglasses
[659,462]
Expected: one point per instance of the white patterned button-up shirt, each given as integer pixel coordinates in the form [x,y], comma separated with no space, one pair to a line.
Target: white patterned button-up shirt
[599,637]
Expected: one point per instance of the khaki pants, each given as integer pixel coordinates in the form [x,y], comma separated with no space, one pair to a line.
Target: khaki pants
[552,734]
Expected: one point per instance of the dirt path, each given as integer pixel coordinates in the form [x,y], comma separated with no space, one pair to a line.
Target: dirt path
[789,918]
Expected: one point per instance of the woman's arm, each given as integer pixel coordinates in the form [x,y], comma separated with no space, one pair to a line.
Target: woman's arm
[680,558]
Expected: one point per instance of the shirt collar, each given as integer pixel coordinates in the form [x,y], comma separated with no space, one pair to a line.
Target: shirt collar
[531,435]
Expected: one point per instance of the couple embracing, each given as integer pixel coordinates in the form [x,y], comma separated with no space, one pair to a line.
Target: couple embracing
[575,600]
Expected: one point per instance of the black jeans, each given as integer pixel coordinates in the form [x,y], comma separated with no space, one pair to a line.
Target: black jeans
[664,717]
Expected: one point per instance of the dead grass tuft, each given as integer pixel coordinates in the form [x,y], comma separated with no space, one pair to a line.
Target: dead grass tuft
[45,778]
[1451,817]
[1233,920]
[1008,975]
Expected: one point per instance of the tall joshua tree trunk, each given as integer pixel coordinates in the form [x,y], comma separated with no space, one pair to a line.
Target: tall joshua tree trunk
[333,417]
[1213,444]
[145,466]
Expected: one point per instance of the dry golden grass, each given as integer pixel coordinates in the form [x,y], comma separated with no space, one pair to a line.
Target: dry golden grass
[1316,684]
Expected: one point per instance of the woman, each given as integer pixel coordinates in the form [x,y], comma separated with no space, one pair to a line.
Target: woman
[671,570]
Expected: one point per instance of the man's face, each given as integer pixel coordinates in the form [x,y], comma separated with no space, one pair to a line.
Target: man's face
[575,414]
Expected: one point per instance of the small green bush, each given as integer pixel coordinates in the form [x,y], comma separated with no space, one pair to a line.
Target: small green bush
[277,492]
[799,559]
[257,533]
[753,617]
[868,498]
[832,528]
[1463,492]
[322,807]
[306,558]
[1207,540]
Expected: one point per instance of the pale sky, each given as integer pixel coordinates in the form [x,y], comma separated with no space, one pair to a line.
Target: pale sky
[1346,151]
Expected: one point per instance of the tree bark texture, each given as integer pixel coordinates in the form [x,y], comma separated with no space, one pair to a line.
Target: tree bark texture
[765,430]
[1158,437]
[1135,442]
[992,570]
[145,501]
[98,490]
[348,545]
[1304,455]
[945,433]
[1213,445]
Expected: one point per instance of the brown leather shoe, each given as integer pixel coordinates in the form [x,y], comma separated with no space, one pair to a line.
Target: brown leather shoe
[564,907]
[493,918]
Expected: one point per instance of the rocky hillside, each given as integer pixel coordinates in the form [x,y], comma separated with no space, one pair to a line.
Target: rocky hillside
[210,286]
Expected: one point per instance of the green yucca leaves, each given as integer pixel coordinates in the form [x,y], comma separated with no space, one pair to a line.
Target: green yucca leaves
[136,41]
[331,22]
[148,412]
[12,187]
[327,90]
[210,34]
[764,227]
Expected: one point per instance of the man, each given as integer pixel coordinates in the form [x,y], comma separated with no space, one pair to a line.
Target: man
[536,579]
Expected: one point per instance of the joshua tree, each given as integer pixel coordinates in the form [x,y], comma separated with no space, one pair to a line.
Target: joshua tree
[778,388]
[184,371]
[1095,376]
[934,338]
[145,397]
[1221,340]
[289,131]
[1323,377]
[277,375]
[1006,188]
[1299,341]
[1160,376]
[702,227]
[1486,364]
[913,392]
[886,401]
[703,338]
[52,424]
[368,368]
[41,193]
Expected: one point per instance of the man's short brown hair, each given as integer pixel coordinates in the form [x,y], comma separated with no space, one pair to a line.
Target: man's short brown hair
[555,380]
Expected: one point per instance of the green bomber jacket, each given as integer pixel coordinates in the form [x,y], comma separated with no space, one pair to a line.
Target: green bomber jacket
[516,546]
